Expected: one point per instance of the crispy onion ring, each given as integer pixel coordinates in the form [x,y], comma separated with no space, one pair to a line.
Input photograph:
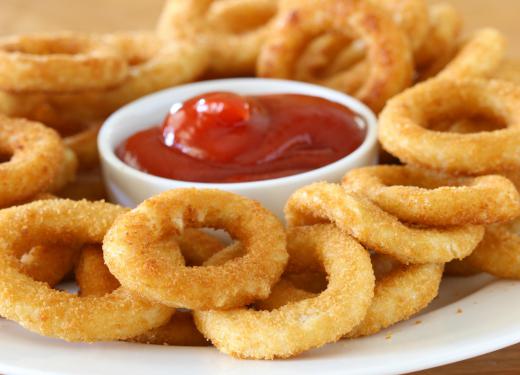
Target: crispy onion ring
[411,16]
[388,51]
[94,279]
[403,123]
[54,313]
[479,57]
[154,65]
[296,327]
[400,293]
[36,155]
[231,30]
[499,251]
[131,253]
[62,62]
[441,44]
[377,229]
[424,197]
[84,145]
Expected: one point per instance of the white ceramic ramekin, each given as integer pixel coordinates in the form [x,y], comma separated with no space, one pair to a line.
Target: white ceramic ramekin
[129,187]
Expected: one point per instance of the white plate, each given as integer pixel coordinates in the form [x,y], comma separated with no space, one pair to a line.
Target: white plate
[471,317]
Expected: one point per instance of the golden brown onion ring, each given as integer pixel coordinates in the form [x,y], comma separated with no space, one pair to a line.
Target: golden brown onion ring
[388,50]
[310,323]
[441,44]
[36,154]
[54,313]
[84,145]
[233,31]
[479,57]
[499,251]
[139,262]
[403,126]
[424,197]
[59,62]
[377,229]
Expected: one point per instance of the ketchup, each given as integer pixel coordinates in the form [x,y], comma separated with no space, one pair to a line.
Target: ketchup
[224,137]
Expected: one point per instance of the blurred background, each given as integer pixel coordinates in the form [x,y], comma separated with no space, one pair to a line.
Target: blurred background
[110,15]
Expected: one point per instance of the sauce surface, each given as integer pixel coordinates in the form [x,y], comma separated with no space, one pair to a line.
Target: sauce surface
[223,137]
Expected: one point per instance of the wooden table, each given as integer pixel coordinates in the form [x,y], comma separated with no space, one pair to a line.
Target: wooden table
[110,15]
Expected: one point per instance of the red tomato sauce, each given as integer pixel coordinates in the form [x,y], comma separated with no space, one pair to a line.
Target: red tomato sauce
[224,137]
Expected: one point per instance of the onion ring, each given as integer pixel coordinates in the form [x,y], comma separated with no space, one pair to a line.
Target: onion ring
[399,294]
[402,124]
[62,62]
[37,154]
[296,327]
[423,197]
[94,279]
[233,31]
[131,254]
[378,230]
[54,313]
[441,44]
[499,251]
[388,51]
[479,57]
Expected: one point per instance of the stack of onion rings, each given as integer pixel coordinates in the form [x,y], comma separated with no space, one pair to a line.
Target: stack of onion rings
[388,51]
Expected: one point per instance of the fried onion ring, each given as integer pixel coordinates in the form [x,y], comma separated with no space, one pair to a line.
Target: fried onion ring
[54,313]
[94,279]
[441,44]
[423,197]
[233,31]
[479,57]
[499,251]
[36,155]
[67,172]
[388,50]
[377,229]
[403,124]
[62,62]
[131,253]
[310,323]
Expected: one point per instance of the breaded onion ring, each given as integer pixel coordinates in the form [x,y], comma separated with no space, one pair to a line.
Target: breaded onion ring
[479,57]
[54,313]
[411,16]
[132,255]
[499,251]
[60,62]
[441,44]
[94,279]
[233,31]
[388,50]
[403,126]
[400,293]
[423,197]
[310,323]
[377,229]
[36,155]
